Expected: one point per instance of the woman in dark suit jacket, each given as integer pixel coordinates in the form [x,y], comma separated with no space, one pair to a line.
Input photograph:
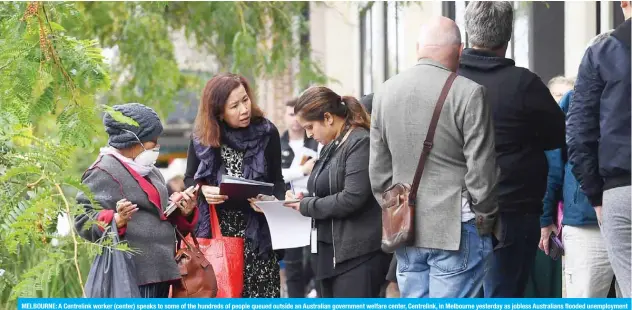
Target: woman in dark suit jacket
[231,137]
[347,218]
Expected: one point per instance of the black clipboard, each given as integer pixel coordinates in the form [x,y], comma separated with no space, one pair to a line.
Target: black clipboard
[243,189]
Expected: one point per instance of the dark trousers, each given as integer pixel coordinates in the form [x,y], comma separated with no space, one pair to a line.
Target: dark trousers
[155,290]
[298,272]
[514,256]
[391,276]
[363,281]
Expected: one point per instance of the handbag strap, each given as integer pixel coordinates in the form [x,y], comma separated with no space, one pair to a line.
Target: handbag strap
[115,238]
[216,232]
[181,238]
[429,138]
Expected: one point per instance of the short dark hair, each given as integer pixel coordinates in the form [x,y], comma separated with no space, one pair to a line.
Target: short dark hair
[291,103]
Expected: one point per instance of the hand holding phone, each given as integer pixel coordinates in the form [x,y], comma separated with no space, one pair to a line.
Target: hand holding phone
[556,248]
[183,201]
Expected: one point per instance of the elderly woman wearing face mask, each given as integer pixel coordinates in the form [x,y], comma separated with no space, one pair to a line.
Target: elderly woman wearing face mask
[131,191]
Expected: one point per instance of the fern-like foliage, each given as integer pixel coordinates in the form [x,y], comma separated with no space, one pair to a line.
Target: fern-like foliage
[51,70]
[48,113]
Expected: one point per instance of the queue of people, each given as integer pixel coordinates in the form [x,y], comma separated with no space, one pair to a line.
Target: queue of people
[503,157]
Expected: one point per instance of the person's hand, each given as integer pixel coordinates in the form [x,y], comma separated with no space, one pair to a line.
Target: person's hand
[291,198]
[294,205]
[598,211]
[392,290]
[187,203]
[545,233]
[124,211]
[211,193]
[289,195]
[253,205]
[307,167]
[260,197]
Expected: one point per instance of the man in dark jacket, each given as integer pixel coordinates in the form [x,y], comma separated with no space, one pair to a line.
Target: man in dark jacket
[296,148]
[527,122]
[599,142]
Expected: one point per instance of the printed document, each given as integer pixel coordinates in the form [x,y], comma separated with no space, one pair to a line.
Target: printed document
[288,228]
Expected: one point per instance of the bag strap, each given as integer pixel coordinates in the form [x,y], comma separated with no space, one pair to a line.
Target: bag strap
[116,239]
[216,232]
[429,138]
[181,238]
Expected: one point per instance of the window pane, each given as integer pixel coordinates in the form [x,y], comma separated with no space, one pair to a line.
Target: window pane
[510,47]
[521,33]
[459,19]
[377,33]
[367,56]
[392,30]
[401,46]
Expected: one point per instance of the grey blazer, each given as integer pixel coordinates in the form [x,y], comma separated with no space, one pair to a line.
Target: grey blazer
[146,232]
[462,161]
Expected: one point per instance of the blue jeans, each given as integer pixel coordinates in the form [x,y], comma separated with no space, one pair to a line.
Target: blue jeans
[437,273]
[514,256]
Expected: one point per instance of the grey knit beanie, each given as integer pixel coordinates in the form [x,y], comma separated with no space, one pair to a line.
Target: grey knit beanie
[149,128]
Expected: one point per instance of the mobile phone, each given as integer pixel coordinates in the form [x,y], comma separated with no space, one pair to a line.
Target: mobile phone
[263,197]
[177,197]
[556,248]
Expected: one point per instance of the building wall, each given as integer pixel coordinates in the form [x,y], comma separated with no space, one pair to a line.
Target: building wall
[359,49]
[191,58]
[336,30]
[272,94]
[335,42]
[412,17]
[580,25]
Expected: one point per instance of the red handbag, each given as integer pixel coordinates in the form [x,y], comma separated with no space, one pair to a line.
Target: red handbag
[226,255]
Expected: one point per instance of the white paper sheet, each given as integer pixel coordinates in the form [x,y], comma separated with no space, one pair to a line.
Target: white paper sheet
[288,228]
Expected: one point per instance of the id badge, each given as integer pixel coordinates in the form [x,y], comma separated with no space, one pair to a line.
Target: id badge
[314,241]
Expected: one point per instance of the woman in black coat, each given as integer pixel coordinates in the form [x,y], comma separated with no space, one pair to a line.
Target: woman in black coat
[231,137]
[347,218]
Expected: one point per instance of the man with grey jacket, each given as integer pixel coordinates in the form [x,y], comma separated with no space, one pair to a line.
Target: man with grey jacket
[455,208]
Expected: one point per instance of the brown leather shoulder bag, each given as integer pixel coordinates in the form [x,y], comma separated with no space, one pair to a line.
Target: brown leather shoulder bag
[398,201]
[196,272]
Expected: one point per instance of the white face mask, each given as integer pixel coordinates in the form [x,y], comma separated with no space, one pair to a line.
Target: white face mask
[148,158]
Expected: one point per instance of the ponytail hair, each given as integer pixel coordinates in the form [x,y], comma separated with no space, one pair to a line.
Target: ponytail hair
[316,101]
